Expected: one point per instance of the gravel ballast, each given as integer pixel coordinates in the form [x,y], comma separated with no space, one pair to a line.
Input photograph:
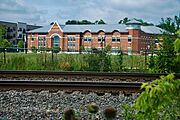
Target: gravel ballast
[45,105]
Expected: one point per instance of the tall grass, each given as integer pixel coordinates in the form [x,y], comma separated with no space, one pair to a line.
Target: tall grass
[71,62]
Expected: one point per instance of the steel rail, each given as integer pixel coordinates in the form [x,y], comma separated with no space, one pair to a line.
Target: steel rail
[70,86]
[83,73]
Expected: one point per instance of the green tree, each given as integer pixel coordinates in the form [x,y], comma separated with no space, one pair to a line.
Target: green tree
[2,32]
[20,44]
[160,100]
[101,21]
[124,21]
[78,22]
[119,61]
[170,24]
[5,43]
[177,50]
[166,56]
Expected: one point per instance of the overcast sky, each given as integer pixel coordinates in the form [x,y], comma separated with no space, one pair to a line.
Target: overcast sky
[42,12]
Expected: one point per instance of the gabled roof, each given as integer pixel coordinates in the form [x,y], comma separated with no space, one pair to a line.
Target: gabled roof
[43,29]
[152,29]
[83,28]
[95,28]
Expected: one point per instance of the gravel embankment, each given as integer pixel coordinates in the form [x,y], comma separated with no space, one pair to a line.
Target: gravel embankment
[45,105]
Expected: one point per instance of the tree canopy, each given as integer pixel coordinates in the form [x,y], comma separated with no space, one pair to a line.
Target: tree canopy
[126,19]
[170,24]
[5,43]
[20,44]
[84,22]
[2,32]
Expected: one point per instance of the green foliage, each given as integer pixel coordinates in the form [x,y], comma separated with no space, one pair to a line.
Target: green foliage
[110,113]
[177,43]
[78,22]
[56,49]
[84,22]
[170,24]
[99,61]
[5,43]
[34,49]
[124,21]
[2,32]
[69,114]
[165,62]
[119,62]
[107,49]
[160,100]
[92,108]
[177,50]
[101,22]
[20,44]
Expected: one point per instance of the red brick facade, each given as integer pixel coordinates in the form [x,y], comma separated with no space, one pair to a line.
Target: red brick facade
[138,40]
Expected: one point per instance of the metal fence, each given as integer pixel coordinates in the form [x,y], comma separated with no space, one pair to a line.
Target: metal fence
[135,61]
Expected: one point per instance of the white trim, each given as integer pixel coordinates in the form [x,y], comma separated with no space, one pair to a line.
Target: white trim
[54,35]
[42,35]
[53,25]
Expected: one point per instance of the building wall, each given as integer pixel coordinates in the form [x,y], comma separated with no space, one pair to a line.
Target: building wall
[71,42]
[11,31]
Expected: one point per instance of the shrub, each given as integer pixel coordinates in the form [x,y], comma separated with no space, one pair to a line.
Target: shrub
[159,100]
[34,49]
[92,108]
[69,114]
[110,113]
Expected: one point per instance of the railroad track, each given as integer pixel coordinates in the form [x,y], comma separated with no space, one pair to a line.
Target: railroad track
[80,76]
[69,86]
[75,81]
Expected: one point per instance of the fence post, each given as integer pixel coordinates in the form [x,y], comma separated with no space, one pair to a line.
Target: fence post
[4,55]
[52,56]
[145,59]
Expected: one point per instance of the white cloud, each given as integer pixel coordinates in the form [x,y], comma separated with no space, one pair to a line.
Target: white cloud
[45,11]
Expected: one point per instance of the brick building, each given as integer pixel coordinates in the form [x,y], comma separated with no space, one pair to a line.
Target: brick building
[132,37]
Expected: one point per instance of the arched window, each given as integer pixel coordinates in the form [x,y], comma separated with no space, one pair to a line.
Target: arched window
[55,41]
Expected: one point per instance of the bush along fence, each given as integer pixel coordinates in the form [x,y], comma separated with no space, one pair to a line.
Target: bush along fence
[95,60]
[54,59]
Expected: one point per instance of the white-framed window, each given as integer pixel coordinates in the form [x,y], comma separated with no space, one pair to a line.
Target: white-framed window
[71,43]
[101,38]
[129,38]
[87,38]
[41,41]
[55,41]
[115,38]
